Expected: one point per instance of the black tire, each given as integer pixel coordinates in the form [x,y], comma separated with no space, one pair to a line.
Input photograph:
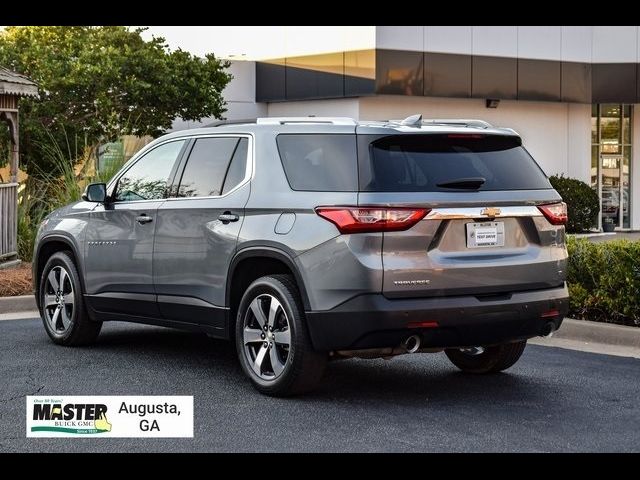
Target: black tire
[80,330]
[494,359]
[303,366]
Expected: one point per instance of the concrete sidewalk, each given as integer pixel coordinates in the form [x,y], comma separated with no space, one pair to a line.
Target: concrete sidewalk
[595,337]
[608,237]
[21,303]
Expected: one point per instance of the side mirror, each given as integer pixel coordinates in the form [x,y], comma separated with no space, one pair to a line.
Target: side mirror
[95,192]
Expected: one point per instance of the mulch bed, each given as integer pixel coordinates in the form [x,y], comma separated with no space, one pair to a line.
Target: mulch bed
[15,280]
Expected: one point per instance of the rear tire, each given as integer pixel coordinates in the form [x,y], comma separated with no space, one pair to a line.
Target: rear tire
[493,359]
[280,359]
[62,306]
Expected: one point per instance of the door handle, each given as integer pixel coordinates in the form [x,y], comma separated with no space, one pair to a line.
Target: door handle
[227,217]
[142,219]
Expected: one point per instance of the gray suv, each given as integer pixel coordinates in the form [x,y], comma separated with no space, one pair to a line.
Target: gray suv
[310,239]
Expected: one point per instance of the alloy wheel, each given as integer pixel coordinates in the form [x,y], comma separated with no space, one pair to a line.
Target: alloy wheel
[266,336]
[59,299]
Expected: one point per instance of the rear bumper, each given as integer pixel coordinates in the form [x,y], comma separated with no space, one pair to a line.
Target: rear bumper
[372,321]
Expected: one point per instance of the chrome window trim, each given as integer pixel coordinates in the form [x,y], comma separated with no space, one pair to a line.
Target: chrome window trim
[248,176]
[249,168]
[132,161]
[476,212]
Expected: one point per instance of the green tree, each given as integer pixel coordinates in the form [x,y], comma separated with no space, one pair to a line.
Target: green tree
[98,83]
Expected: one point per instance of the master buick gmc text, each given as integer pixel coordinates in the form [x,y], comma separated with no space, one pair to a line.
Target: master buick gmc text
[309,239]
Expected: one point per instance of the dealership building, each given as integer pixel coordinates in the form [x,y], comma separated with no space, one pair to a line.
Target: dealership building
[570,91]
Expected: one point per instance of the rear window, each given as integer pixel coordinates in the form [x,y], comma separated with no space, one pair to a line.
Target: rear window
[420,163]
[320,163]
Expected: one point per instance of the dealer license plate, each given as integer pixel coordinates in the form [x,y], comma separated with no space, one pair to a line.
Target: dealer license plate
[485,234]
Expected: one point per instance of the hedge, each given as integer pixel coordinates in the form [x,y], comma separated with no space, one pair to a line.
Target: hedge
[583,204]
[604,281]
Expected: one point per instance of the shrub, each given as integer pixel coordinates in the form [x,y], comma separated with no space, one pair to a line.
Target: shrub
[604,280]
[45,192]
[582,201]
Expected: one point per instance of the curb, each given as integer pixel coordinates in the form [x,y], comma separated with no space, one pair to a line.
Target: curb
[598,332]
[20,303]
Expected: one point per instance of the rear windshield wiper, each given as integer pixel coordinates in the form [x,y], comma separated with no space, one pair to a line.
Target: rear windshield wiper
[472,183]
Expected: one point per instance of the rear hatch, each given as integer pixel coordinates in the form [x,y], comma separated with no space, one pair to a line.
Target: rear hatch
[488,220]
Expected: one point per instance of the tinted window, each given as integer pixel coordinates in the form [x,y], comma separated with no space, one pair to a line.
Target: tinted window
[206,167]
[147,179]
[238,166]
[326,163]
[419,163]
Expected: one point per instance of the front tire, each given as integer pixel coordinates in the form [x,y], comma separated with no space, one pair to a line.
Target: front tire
[272,341]
[62,306]
[490,360]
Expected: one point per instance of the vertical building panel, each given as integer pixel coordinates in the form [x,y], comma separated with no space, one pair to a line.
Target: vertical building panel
[447,75]
[494,77]
[399,72]
[448,39]
[270,81]
[538,80]
[540,42]
[613,44]
[400,38]
[577,43]
[495,41]
[576,82]
[359,72]
[315,76]
[614,82]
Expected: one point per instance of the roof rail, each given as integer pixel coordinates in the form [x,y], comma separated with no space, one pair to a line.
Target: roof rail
[463,122]
[222,123]
[303,120]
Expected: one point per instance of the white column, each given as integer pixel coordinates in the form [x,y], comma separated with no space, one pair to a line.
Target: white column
[635,170]
[579,141]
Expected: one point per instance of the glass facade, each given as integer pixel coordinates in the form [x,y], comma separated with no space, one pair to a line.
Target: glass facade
[611,161]
[329,75]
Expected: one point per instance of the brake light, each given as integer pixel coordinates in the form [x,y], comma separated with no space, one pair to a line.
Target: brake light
[556,213]
[372,219]
[464,135]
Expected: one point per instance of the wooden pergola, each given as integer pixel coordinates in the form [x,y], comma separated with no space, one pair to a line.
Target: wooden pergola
[13,86]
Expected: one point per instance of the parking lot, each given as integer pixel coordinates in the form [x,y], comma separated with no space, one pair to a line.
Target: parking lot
[552,400]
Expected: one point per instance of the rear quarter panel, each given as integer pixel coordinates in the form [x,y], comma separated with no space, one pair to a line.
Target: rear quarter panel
[333,268]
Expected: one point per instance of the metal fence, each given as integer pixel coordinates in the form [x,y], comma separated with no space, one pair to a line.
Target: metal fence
[8,221]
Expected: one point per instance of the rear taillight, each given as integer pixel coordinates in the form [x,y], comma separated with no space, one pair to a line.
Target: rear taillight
[556,213]
[372,219]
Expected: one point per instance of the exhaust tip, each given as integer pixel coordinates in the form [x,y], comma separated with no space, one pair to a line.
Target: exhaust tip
[412,343]
[548,329]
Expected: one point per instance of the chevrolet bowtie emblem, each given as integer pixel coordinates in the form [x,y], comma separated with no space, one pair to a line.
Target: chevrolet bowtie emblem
[490,212]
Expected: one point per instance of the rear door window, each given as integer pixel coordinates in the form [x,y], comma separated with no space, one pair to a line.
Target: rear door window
[319,162]
[426,162]
[206,169]
[238,167]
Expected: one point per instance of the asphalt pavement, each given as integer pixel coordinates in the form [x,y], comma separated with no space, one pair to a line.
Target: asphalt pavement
[552,400]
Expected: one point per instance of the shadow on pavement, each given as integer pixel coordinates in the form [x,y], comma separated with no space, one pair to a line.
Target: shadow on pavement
[405,379]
